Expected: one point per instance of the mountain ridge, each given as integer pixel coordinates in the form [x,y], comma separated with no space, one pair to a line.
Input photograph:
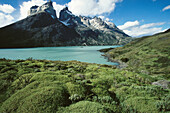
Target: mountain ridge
[33,32]
[147,55]
[42,28]
[90,28]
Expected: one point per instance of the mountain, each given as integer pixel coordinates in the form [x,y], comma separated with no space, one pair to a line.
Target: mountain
[148,55]
[42,28]
[94,30]
[39,29]
[47,7]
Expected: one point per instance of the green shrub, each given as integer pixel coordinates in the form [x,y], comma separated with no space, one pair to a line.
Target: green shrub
[75,98]
[50,76]
[85,107]
[70,86]
[5,69]
[76,89]
[104,99]
[164,104]
[4,84]
[36,99]
[142,104]
[22,81]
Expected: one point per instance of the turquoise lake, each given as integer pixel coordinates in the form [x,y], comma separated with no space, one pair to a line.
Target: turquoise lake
[88,54]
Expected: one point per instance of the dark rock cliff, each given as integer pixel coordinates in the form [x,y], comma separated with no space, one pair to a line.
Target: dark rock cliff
[39,30]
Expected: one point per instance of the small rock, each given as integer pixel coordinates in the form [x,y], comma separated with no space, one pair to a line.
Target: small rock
[145,72]
[163,83]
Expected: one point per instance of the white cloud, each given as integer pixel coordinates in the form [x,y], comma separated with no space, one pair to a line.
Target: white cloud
[58,8]
[151,25]
[92,7]
[6,8]
[129,24]
[136,30]
[78,7]
[5,19]
[166,8]
[24,8]
[105,18]
[27,5]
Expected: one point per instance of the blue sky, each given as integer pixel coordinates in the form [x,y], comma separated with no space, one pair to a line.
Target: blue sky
[135,17]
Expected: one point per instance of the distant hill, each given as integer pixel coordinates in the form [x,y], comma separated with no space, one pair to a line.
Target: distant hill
[42,28]
[148,55]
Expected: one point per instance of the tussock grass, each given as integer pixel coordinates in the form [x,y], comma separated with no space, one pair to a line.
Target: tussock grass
[64,87]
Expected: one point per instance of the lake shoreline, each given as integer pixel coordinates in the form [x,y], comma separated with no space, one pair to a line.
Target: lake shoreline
[88,54]
[120,65]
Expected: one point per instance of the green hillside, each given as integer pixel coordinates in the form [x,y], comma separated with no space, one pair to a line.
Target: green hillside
[148,55]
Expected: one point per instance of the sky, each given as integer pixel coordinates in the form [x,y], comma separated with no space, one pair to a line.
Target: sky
[135,17]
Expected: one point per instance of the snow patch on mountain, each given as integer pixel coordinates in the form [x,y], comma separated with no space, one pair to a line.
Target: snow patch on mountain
[65,22]
[71,20]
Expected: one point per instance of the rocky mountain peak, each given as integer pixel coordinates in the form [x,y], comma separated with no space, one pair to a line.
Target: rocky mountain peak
[66,8]
[70,20]
[42,28]
[97,18]
[65,14]
[47,7]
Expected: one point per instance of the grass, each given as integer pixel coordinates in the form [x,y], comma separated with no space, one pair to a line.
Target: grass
[148,55]
[64,87]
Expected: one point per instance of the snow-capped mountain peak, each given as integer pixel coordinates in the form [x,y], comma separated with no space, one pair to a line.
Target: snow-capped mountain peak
[94,29]
[70,20]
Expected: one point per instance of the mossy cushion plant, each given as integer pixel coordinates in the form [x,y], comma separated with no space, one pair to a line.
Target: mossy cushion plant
[41,86]
[37,98]
[85,107]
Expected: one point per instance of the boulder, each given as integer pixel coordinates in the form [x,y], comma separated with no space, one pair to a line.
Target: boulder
[163,83]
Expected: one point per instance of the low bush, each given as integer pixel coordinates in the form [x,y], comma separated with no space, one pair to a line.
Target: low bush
[85,107]
[37,99]
[69,87]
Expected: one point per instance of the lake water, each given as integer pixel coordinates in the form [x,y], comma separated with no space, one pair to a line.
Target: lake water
[84,54]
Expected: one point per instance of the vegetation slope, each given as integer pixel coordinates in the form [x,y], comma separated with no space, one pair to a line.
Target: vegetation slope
[148,55]
[40,86]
